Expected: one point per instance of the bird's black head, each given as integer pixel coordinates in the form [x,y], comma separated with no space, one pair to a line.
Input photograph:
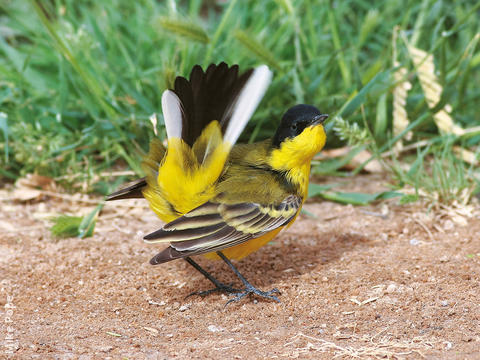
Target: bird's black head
[295,120]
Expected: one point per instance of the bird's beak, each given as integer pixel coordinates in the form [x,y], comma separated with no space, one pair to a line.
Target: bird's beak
[319,119]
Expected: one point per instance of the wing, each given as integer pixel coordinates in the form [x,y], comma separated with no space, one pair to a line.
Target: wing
[213,227]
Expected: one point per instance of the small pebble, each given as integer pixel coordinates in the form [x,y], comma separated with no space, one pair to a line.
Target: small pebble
[414,242]
[213,328]
[448,225]
[105,348]
[391,288]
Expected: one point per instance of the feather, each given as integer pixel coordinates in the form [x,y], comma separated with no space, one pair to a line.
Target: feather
[213,227]
[247,102]
[150,164]
[166,255]
[183,234]
[193,222]
[172,114]
[221,94]
[132,190]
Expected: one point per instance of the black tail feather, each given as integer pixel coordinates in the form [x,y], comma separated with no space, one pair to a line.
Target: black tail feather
[208,96]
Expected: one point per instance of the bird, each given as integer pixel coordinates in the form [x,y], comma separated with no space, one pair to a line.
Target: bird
[219,198]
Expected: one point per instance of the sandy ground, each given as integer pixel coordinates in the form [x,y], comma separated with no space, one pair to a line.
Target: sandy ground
[382,281]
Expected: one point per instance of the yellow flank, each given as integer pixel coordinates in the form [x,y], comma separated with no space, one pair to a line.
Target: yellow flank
[238,252]
[295,154]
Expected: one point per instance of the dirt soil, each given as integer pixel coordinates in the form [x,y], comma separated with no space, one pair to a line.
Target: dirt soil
[381,281]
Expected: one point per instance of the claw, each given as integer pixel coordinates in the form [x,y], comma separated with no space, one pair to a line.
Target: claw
[228,289]
[221,288]
[250,289]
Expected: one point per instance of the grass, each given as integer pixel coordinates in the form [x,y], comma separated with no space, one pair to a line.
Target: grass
[443,180]
[79,80]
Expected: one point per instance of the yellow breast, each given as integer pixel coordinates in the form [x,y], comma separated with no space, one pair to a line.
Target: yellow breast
[295,154]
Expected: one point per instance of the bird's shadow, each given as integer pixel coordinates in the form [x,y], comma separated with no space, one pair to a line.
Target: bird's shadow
[287,257]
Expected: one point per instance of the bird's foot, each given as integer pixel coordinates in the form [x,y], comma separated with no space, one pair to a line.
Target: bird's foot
[228,289]
[250,289]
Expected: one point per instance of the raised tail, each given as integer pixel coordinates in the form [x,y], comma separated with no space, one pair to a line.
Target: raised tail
[219,93]
[203,116]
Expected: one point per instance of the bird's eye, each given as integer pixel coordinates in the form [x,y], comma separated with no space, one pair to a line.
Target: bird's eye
[294,127]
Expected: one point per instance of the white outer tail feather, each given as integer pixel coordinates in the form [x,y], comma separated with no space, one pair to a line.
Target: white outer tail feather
[172,114]
[248,100]
[243,109]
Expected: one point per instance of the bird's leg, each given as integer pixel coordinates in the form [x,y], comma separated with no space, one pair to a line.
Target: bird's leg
[249,288]
[218,285]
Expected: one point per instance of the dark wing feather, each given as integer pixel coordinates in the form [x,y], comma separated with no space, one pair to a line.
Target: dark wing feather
[150,164]
[208,96]
[213,227]
[132,190]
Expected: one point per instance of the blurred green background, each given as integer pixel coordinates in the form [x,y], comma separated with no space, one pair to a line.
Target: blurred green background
[80,79]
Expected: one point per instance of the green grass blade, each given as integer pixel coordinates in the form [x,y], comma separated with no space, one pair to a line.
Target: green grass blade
[189,30]
[338,47]
[254,46]
[4,129]
[380,84]
[220,29]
